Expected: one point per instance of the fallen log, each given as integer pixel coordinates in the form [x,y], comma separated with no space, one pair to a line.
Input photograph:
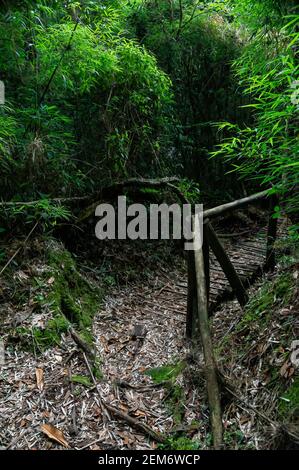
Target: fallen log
[110,190]
[133,422]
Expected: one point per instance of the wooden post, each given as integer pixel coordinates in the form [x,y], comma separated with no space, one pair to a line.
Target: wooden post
[191,318]
[227,266]
[192,296]
[206,256]
[210,366]
[271,235]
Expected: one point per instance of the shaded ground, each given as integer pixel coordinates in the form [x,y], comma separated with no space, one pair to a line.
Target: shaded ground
[148,369]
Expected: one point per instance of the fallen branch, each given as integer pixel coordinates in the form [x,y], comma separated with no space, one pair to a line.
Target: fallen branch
[81,343]
[140,388]
[19,249]
[73,427]
[117,188]
[112,189]
[247,406]
[133,422]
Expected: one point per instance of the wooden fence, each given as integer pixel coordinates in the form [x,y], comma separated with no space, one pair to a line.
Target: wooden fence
[212,242]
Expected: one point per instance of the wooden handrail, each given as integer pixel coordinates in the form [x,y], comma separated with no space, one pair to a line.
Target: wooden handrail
[211,240]
[197,321]
[230,206]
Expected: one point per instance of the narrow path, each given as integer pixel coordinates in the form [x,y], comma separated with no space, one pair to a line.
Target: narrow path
[139,327]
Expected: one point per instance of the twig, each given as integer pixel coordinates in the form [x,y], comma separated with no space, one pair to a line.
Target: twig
[66,48]
[262,415]
[16,439]
[102,404]
[74,427]
[81,343]
[112,189]
[233,235]
[133,422]
[259,413]
[19,249]
[141,388]
[90,444]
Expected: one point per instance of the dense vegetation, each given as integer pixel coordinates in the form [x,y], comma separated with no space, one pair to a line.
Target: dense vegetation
[98,92]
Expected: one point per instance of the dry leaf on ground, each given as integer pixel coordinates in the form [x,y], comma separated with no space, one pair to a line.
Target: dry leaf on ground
[54,433]
[39,373]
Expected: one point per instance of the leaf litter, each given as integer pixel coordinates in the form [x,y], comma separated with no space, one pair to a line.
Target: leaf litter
[47,400]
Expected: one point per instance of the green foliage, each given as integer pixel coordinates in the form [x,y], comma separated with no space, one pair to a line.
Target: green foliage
[191,190]
[81,379]
[8,127]
[261,13]
[88,62]
[89,103]
[38,339]
[289,402]
[179,443]
[194,44]
[166,373]
[268,150]
[50,336]
[268,297]
[101,90]
[46,214]
[233,438]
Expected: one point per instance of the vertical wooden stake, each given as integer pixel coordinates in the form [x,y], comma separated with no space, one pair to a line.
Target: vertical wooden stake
[206,256]
[211,372]
[271,235]
[192,296]
[192,315]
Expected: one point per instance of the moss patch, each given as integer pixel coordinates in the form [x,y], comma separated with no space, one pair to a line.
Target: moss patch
[179,443]
[71,298]
[72,294]
[271,295]
[165,373]
[62,296]
[175,395]
[289,403]
[50,336]
[81,379]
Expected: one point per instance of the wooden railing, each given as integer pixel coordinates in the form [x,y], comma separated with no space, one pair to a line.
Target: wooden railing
[199,290]
[211,241]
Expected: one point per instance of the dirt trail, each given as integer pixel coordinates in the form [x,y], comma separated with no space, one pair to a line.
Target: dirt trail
[125,358]
[139,327]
